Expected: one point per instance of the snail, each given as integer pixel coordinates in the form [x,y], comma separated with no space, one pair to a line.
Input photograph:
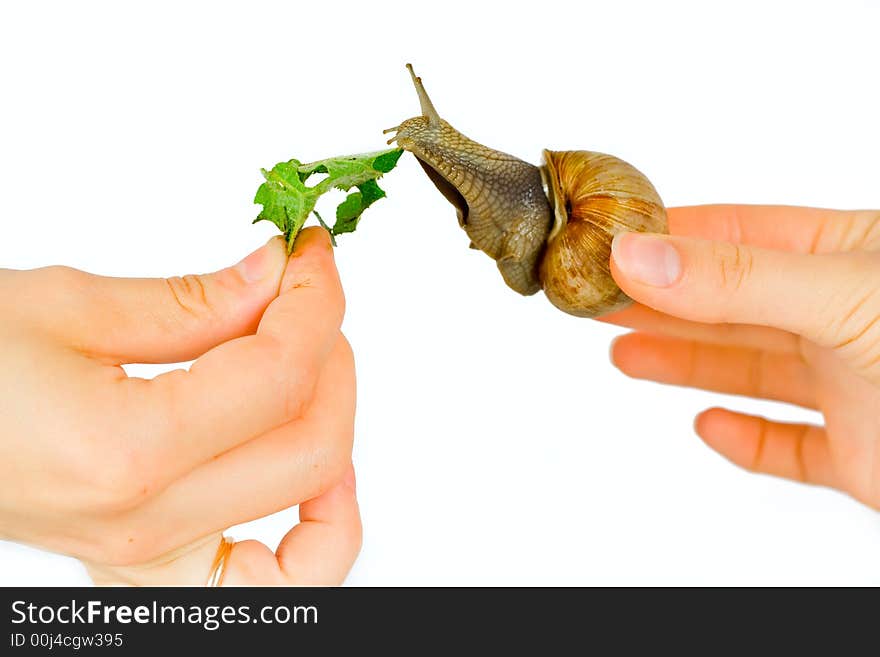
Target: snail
[547,227]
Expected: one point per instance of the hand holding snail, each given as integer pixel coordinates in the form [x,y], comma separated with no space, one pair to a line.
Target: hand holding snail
[771,302]
[789,311]
[547,227]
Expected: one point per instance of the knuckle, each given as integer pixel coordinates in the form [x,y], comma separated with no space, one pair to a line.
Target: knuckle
[735,264]
[869,239]
[68,304]
[817,243]
[856,327]
[298,388]
[168,395]
[291,373]
[189,293]
[60,276]
[859,231]
[343,358]
[801,470]
[756,463]
[122,482]
[66,288]
[330,462]
[347,353]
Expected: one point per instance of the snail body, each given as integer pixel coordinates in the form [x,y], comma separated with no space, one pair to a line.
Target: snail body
[547,227]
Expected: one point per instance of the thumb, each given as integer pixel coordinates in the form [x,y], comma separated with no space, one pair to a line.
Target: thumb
[166,320]
[829,299]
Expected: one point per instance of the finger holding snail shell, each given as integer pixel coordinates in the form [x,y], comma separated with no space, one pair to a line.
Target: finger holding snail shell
[547,227]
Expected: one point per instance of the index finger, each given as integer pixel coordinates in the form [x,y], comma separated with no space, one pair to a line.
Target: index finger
[781,227]
[247,386]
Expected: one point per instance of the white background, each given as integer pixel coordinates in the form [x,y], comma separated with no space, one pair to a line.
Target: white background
[495,443]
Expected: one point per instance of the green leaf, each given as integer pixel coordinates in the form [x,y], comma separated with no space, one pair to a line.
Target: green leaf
[350,208]
[372,192]
[288,200]
[349,212]
[386,161]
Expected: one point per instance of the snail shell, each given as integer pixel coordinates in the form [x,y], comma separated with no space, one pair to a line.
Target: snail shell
[547,228]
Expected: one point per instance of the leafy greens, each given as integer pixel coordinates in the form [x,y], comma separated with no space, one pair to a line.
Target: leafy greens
[287,199]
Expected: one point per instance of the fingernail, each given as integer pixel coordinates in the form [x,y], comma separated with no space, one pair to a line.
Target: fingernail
[349,479]
[646,259]
[256,266]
